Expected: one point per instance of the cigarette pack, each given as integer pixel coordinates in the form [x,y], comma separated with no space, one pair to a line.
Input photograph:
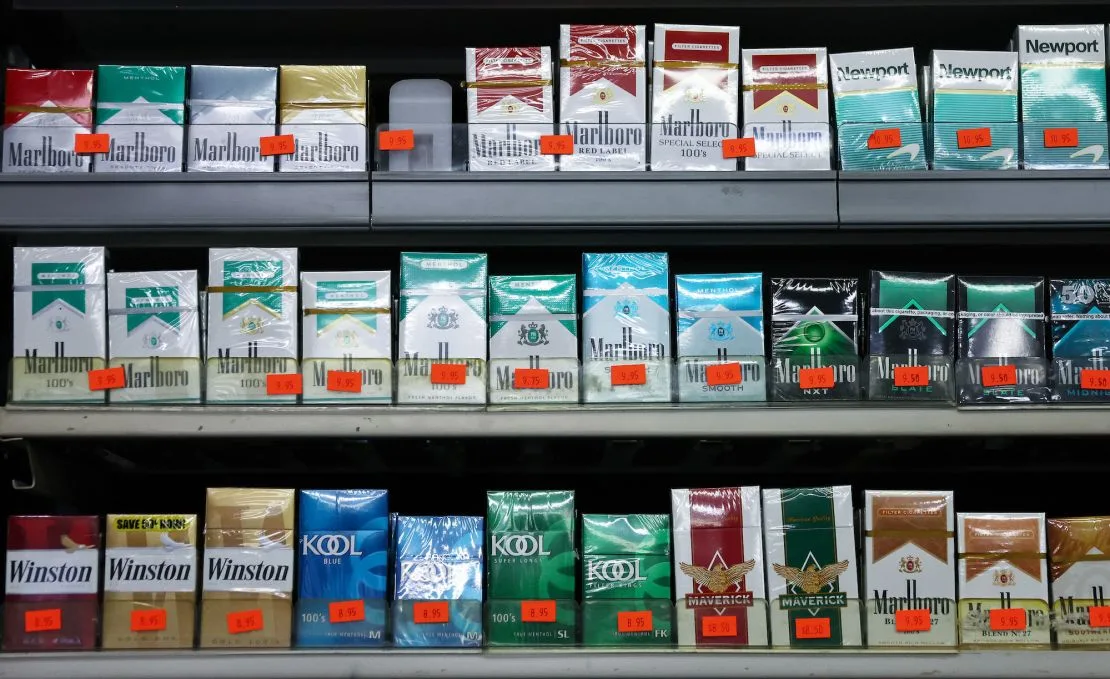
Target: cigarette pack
[1080,309]
[230,109]
[1080,573]
[786,108]
[976,91]
[43,111]
[814,338]
[142,108]
[509,107]
[324,108]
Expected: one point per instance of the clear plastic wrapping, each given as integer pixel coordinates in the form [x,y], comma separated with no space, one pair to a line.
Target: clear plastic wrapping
[230,109]
[58,324]
[1080,315]
[150,566]
[786,108]
[626,327]
[812,573]
[695,80]
[814,341]
[507,86]
[324,108]
[43,111]
[719,321]
[247,594]
[142,108]
[343,558]
[153,335]
[978,91]
[720,595]
[252,323]
[1079,570]
[909,566]
[441,336]
[603,96]
[534,329]
[1003,580]
[347,328]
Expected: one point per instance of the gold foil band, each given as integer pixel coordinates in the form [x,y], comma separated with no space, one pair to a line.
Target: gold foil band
[697,64]
[337,311]
[795,86]
[48,109]
[910,533]
[599,63]
[506,84]
[252,288]
[1002,556]
[310,105]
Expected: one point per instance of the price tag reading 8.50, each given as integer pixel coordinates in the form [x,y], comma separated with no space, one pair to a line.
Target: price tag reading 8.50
[538,611]
[1008,619]
[913,620]
[430,612]
[634,621]
[718,626]
[813,628]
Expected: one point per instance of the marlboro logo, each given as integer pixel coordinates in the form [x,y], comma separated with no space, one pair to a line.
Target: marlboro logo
[791,74]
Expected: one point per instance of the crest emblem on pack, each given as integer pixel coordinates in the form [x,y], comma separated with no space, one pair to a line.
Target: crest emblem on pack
[720,331]
[443,319]
[912,329]
[627,307]
[251,325]
[532,335]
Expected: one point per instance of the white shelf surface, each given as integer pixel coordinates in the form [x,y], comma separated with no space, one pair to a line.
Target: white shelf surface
[796,421]
[543,664]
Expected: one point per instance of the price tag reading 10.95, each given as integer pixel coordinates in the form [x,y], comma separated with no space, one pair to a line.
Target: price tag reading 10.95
[430,612]
[634,621]
[538,611]
[1007,619]
[718,626]
[890,138]
[1061,137]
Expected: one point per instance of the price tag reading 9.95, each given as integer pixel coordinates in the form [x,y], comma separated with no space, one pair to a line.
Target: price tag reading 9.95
[556,144]
[107,378]
[816,378]
[913,620]
[346,611]
[1008,619]
[1099,616]
[430,612]
[284,384]
[634,373]
[239,622]
[634,621]
[45,620]
[813,628]
[538,611]
[718,626]
[725,373]
[148,620]
[396,140]
[448,373]
[277,145]
[91,143]
[347,381]
[1096,380]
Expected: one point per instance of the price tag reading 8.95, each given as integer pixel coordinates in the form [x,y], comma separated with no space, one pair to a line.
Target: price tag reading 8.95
[538,611]
[431,612]
[634,621]
[239,622]
[148,620]
[346,611]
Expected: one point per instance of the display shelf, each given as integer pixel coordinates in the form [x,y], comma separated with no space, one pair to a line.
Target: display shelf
[493,4]
[795,421]
[1003,199]
[610,199]
[201,200]
[544,663]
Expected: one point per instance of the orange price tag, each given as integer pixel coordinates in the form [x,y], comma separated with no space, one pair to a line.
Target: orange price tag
[284,384]
[346,611]
[974,138]
[914,620]
[278,145]
[816,378]
[718,626]
[1061,137]
[428,612]
[345,381]
[538,611]
[448,373]
[396,140]
[531,378]
[1098,380]
[1100,616]
[744,147]
[725,373]
[634,621]
[239,622]
[107,378]
[885,139]
[556,144]
[999,375]
[813,628]
[1007,619]
[635,373]
[45,620]
[911,376]
[150,620]
[91,143]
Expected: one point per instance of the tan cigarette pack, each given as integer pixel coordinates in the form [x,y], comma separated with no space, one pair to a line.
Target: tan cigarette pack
[248,568]
[150,581]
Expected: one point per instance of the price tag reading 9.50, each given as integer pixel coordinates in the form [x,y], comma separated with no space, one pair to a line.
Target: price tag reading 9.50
[431,612]
[1095,380]
[634,621]
[718,626]
[911,376]
[239,622]
[999,375]
[538,611]
[1008,619]
[913,620]
[346,611]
